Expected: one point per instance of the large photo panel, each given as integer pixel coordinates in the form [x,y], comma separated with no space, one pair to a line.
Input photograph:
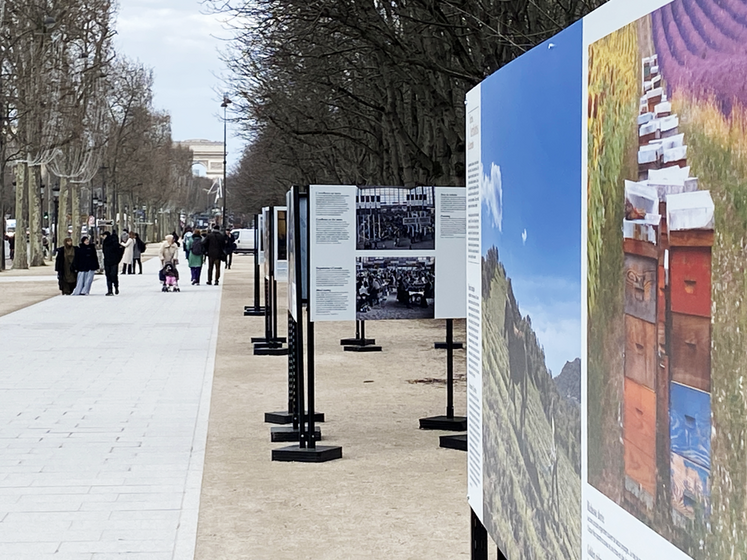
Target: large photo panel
[666,320]
[383,253]
[530,167]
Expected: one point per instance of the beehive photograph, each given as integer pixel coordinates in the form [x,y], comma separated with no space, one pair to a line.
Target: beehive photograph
[667,224]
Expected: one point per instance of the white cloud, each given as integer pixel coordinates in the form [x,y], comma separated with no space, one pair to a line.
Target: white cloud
[524,237]
[491,194]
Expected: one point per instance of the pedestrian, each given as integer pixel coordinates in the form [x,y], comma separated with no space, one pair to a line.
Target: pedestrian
[196,256]
[113,252]
[168,251]
[186,237]
[63,265]
[213,246]
[230,248]
[137,252]
[128,253]
[85,264]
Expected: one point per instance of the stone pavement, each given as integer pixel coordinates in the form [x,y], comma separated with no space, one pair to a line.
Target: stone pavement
[104,406]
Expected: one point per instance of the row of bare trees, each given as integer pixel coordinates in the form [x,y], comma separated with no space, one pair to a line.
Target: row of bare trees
[368,91]
[78,119]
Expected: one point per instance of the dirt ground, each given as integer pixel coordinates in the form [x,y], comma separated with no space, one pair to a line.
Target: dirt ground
[395,494]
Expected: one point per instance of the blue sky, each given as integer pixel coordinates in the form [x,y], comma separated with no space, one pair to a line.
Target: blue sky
[531,159]
[180,41]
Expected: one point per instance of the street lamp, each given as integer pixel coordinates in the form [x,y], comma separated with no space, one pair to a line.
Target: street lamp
[56,196]
[225,104]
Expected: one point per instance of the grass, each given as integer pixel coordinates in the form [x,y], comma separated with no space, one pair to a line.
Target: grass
[717,153]
[614,86]
[517,459]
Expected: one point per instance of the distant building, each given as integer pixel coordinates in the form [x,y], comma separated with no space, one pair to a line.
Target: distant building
[207,153]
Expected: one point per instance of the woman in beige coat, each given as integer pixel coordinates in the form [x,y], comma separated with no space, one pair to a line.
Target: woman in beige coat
[127,258]
[168,251]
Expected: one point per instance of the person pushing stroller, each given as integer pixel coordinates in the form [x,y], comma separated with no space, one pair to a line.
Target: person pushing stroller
[169,274]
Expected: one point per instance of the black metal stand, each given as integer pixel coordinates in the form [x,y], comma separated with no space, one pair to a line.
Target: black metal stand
[295,390]
[442,345]
[306,451]
[360,343]
[256,310]
[479,538]
[449,422]
[270,344]
[457,441]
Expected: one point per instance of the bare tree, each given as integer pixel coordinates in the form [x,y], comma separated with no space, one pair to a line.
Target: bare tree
[371,92]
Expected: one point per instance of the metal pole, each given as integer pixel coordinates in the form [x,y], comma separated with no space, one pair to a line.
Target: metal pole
[450,369]
[225,190]
[256,266]
[479,535]
[309,344]
[274,309]
[312,411]
[225,103]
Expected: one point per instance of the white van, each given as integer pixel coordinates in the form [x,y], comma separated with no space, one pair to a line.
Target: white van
[244,240]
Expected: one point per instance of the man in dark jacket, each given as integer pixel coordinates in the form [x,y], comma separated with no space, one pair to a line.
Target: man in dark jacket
[85,263]
[213,246]
[113,252]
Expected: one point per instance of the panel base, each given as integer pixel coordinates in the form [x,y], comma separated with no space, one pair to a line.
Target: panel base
[456,424]
[369,348]
[286,434]
[284,417]
[250,311]
[357,341]
[270,351]
[457,441]
[263,340]
[320,454]
[442,345]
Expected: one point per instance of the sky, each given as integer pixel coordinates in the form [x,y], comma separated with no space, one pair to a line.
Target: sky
[531,185]
[180,42]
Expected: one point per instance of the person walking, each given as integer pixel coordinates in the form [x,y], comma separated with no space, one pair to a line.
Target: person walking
[196,258]
[85,263]
[137,254]
[213,245]
[168,251]
[113,252]
[63,265]
[186,237]
[128,253]
[230,248]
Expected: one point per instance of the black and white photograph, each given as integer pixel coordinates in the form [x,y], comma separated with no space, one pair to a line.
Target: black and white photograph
[395,218]
[395,288]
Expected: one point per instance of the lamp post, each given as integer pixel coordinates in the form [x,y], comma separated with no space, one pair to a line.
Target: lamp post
[225,104]
[55,230]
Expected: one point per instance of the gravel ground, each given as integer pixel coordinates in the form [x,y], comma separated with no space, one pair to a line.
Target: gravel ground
[395,494]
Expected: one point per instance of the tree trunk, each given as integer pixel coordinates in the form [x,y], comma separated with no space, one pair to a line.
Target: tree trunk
[20,258]
[36,254]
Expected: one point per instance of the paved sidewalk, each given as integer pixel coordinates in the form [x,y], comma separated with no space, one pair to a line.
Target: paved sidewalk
[103,420]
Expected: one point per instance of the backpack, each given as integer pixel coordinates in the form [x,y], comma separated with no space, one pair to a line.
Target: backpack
[196,248]
[140,245]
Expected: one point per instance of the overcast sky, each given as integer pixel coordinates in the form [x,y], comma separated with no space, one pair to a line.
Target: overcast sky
[180,43]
